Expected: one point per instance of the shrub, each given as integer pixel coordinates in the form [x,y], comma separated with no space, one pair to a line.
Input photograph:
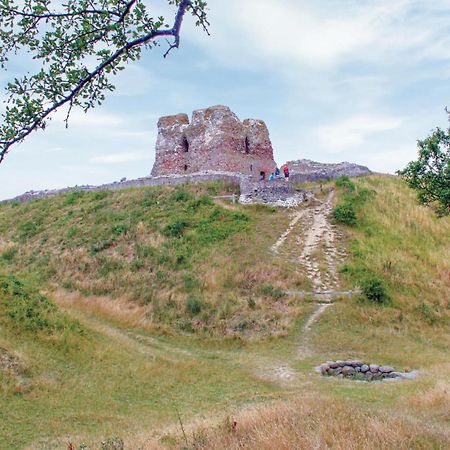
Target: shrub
[9,255]
[176,228]
[26,309]
[251,302]
[194,306]
[374,290]
[181,196]
[204,200]
[345,214]
[119,229]
[345,183]
[72,197]
[190,283]
[428,313]
[271,291]
[100,195]
[29,229]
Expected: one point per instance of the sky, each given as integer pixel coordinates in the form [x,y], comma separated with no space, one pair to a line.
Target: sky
[334,80]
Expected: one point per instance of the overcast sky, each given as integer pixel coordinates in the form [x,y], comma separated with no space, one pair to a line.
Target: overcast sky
[335,80]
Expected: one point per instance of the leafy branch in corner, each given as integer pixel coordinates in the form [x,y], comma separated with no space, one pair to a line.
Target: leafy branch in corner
[78,46]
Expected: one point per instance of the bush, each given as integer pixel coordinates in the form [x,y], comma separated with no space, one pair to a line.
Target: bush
[119,229]
[72,197]
[204,200]
[9,255]
[181,196]
[176,228]
[345,183]
[194,306]
[345,214]
[99,195]
[27,230]
[26,309]
[271,291]
[374,290]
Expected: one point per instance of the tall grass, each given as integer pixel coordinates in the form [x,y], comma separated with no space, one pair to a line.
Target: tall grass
[144,245]
[405,245]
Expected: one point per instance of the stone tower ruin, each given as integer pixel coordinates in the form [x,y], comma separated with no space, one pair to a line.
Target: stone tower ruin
[215,140]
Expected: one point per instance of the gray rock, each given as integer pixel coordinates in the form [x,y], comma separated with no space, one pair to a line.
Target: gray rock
[358,369]
[364,368]
[357,363]
[386,369]
[334,365]
[374,368]
[323,368]
[348,370]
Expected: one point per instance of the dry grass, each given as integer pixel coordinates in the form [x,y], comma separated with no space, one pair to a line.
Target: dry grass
[303,423]
[118,310]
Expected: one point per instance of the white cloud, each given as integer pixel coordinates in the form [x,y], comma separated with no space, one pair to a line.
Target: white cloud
[93,118]
[355,131]
[286,34]
[119,158]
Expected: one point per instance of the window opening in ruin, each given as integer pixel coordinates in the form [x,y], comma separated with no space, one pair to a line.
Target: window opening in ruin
[185,167]
[185,145]
[262,175]
[251,167]
[247,145]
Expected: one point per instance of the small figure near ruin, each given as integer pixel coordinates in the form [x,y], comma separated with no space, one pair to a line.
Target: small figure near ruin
[286,172]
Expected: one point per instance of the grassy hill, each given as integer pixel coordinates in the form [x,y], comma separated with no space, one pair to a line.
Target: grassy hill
[122,311]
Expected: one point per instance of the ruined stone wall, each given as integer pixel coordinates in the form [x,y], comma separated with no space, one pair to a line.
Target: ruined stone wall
[304,170]
[171,144]
[215,139]
[231,178]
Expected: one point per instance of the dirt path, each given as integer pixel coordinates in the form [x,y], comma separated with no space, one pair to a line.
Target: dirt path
[310,243]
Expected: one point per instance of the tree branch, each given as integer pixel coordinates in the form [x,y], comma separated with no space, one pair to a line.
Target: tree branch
[38,119]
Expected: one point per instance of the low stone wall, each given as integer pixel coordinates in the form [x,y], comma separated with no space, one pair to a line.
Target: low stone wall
[277,192]
[359,370]
[140,182]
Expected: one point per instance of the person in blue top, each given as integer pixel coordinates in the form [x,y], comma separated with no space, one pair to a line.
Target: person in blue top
[271,177]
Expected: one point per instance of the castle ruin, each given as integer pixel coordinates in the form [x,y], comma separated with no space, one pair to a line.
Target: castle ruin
[215,140]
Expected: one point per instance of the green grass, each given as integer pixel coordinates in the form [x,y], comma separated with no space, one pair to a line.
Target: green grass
[142,245]
[193,320]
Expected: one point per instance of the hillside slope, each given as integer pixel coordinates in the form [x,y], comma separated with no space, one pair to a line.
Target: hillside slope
[163,302]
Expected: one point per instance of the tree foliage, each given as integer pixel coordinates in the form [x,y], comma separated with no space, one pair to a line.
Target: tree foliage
[77,46]
[430,174]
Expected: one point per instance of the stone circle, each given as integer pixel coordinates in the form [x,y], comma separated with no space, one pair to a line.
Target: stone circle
[362,371]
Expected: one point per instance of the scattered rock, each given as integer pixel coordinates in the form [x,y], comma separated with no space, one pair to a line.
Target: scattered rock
[374,368]
[386,369]
[364,368]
